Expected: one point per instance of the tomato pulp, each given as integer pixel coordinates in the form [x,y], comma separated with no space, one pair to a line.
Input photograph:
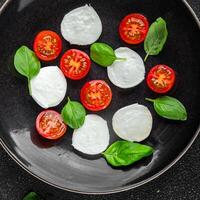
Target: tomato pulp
[47,45]
[161,79]
[133,28]
[50,125]
[96,95]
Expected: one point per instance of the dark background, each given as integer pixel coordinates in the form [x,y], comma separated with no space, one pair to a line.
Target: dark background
[181,182]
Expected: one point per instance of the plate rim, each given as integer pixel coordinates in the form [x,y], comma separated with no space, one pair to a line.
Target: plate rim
[123,188]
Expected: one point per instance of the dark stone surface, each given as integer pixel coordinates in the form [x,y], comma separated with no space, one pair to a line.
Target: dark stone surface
[181,182]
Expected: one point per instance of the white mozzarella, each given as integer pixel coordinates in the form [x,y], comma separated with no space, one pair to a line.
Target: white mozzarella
[129,73]
[93,137]
[81,26]
[133,123]
[49,87]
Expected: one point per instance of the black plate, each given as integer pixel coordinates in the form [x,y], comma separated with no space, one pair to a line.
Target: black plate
[57,163]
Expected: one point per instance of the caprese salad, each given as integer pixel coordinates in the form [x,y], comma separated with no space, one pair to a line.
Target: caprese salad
[125,69]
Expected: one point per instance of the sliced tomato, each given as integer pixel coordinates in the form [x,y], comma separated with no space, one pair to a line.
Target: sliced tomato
[161,79]
[133,28]
[96,95]
[50,125]
[75,64]
[47,45]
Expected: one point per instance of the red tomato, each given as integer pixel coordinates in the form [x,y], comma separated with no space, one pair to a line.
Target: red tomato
[47,45]
[96,95]
[75,64]
[50,125]
[161,78]
[133,28]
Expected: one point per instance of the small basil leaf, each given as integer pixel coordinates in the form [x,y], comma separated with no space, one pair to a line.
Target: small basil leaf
[31,196]
[73,114]
[124,153]
[26,63]
[169,108]
[156,38]
[103,54]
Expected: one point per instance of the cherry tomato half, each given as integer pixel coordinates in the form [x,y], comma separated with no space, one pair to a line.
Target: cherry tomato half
[75,64]
[47,45]
[161,78]
[133,28]
[50,125]
[96,95]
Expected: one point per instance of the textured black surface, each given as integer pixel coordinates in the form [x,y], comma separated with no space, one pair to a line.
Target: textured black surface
[181,182]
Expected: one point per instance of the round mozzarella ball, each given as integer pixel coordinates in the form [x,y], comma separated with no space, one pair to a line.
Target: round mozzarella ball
[128,73]
[133,122]
[81,26]
[49,87]
[93,137]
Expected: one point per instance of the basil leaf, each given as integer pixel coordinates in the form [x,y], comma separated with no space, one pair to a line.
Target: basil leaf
[31,196]
[103,54]
[124,153]
[26,63]
[169,108]
[73,114]
[156,38]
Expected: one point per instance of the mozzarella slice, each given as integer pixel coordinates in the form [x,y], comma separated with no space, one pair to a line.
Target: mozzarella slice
[93,137]
[129,73]
[81,26]
[133,123]
[49,87]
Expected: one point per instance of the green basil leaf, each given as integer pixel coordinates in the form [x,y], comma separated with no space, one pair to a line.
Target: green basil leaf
[169,108]
[26,63]
[103,54]
[73,114]
[156,38]
[31,196]
[124,153]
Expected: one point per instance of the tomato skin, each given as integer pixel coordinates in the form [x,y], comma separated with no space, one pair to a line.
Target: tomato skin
[161,79]
[134,28]
[75,64]
[96,95]
[47,45]
[51,120]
